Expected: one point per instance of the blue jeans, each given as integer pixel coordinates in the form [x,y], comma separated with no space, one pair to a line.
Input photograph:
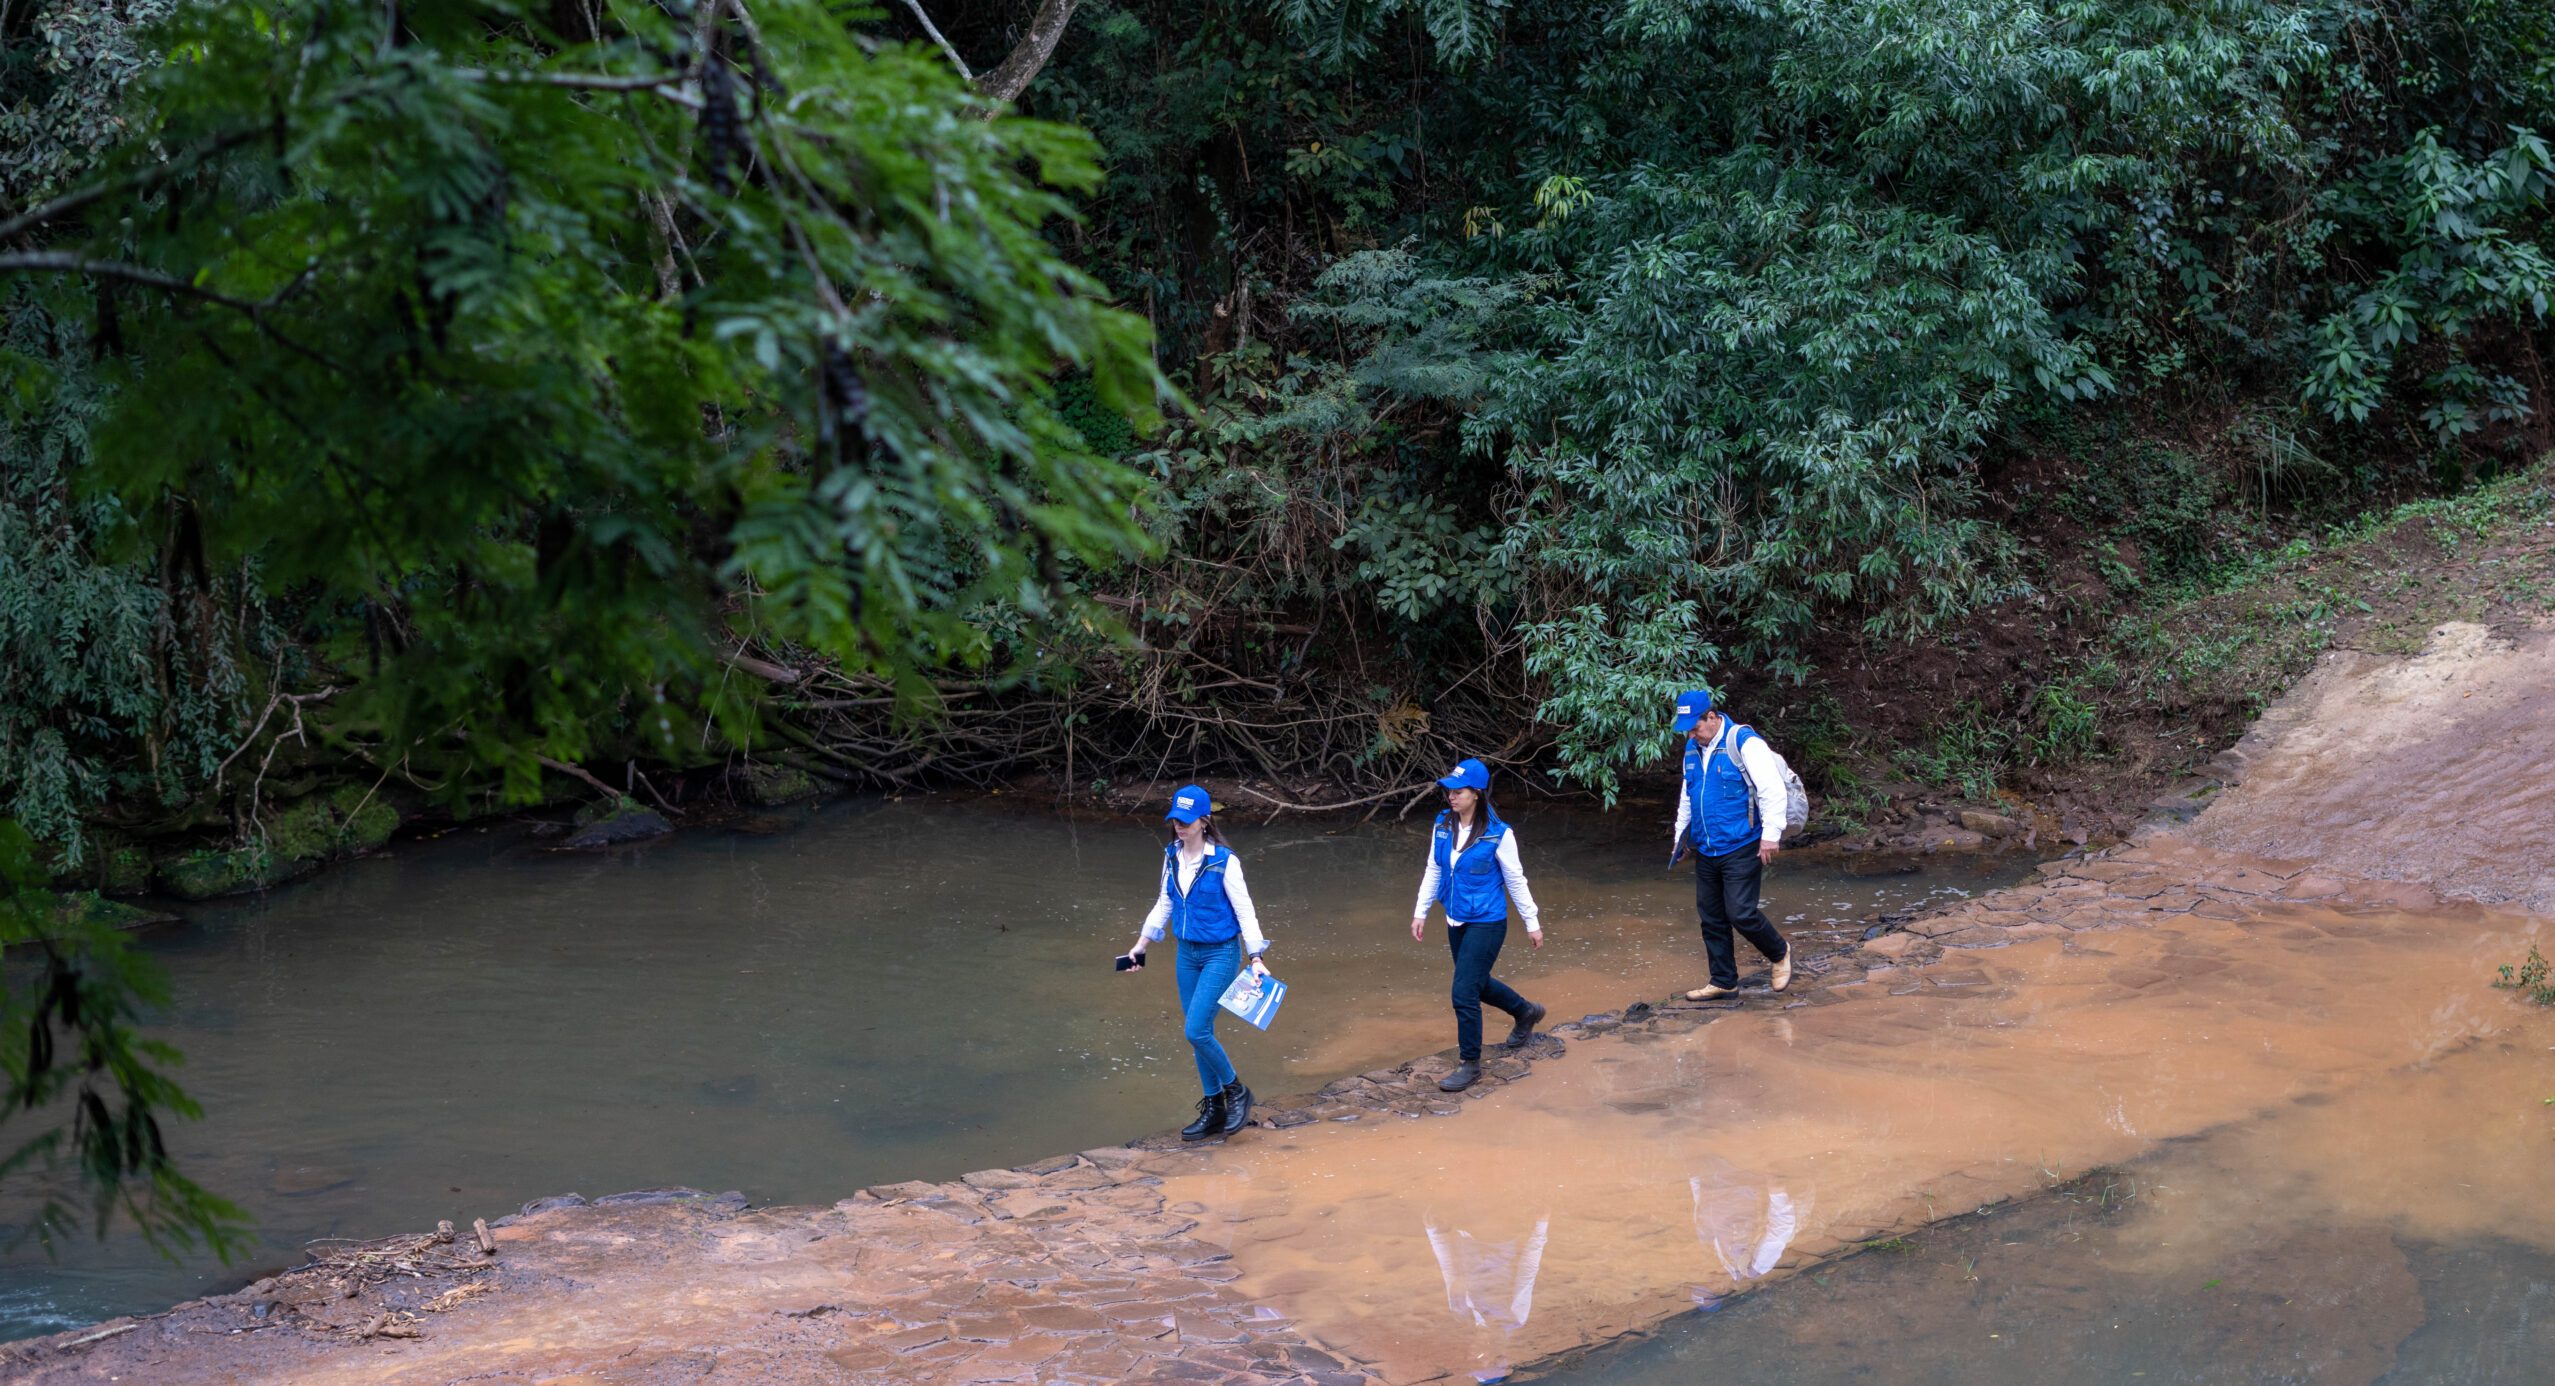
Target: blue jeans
[1476,948]
[1204,970]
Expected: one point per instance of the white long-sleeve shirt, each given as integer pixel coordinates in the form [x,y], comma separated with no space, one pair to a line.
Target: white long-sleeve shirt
[1510,870]
[1236,892]
[1765,773]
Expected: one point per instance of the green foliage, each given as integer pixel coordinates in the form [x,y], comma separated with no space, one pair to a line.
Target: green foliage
[533,363]
[62,76]
[117,693]
[1574,355]
[115,690]
[1713,425]
[1346,31]
[1965,754]
[2066,725]
[1786,268]
[2534,977]
[2463,232]
[1348,454]
[2164,503]
[80,1072]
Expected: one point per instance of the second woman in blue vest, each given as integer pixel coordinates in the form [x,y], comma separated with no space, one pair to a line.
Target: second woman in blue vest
[1473,871]
[1204,904]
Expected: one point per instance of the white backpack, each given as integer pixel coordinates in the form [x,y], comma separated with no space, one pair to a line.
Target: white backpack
[1796,800]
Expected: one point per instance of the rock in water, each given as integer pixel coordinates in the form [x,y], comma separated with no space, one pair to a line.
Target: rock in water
[625,825]
[1989,824]
[770,784]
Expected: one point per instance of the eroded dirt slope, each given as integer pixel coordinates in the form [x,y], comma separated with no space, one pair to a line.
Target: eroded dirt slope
[2438,769]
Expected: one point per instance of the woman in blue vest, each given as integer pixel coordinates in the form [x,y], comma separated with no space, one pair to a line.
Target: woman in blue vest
[1473,871]
[1205,905]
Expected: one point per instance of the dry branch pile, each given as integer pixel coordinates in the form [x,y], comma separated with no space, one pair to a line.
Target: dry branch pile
[359,1266]
[1148,713]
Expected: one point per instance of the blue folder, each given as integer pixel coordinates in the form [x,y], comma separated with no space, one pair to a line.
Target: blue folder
[1254,998]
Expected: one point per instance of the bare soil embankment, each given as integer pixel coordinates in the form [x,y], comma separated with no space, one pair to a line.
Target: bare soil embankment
[2286,944]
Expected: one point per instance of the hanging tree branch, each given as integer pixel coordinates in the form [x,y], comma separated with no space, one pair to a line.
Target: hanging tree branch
[934,30]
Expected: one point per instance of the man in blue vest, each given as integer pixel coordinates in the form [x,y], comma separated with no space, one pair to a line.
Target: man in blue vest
[1730,812]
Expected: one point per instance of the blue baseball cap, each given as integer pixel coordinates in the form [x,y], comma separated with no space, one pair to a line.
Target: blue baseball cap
[1467,774]
[1189,804]
[1692,707]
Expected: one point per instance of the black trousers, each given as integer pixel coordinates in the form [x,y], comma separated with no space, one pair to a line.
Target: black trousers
[1725,898]
[1476,950]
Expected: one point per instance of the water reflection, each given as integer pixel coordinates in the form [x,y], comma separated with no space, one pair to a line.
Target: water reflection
[1490,1285]
[1745,1220]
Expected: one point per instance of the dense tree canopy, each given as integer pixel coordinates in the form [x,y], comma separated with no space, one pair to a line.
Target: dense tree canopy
[1784,271]
[544,366]
[540,358]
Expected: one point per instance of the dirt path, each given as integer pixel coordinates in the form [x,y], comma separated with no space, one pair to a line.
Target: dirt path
[2284,946]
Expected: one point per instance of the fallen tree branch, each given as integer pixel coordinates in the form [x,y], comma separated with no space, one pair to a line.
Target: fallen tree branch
[578,772]
[100,1336]
[1284,805]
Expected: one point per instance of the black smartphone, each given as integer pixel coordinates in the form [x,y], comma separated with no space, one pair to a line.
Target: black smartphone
[1127,962]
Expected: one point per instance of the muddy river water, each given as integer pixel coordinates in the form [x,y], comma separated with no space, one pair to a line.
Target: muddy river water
[2337,1092]
[2238,1101]
[853,994]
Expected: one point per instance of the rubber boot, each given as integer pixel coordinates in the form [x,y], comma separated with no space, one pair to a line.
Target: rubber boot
[1526,1023]
[1237,1106]
[1210,1120]
[1463,1077]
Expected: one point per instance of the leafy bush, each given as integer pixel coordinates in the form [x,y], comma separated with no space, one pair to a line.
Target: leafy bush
[2065,724]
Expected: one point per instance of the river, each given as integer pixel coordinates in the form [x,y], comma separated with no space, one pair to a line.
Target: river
[810,1002]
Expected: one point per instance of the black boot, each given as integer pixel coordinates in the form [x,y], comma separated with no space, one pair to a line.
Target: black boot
[1461,1078]
[1237,1106]
[1210,1120]
[1527,1020]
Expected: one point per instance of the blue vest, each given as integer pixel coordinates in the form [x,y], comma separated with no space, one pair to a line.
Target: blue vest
[1200,914]
[1721,813]
[1470,885]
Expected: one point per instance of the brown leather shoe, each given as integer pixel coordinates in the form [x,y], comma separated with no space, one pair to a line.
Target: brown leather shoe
[1783,970]
[1711,993]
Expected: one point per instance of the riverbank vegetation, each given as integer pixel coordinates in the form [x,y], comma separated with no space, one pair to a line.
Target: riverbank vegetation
[430,408]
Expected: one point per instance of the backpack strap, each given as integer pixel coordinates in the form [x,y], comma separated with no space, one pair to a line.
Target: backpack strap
[1731,746]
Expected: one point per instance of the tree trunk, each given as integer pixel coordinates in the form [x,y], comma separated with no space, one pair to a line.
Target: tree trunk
[1030,55]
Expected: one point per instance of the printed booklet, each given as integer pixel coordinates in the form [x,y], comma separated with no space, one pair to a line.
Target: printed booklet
[1254,999]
